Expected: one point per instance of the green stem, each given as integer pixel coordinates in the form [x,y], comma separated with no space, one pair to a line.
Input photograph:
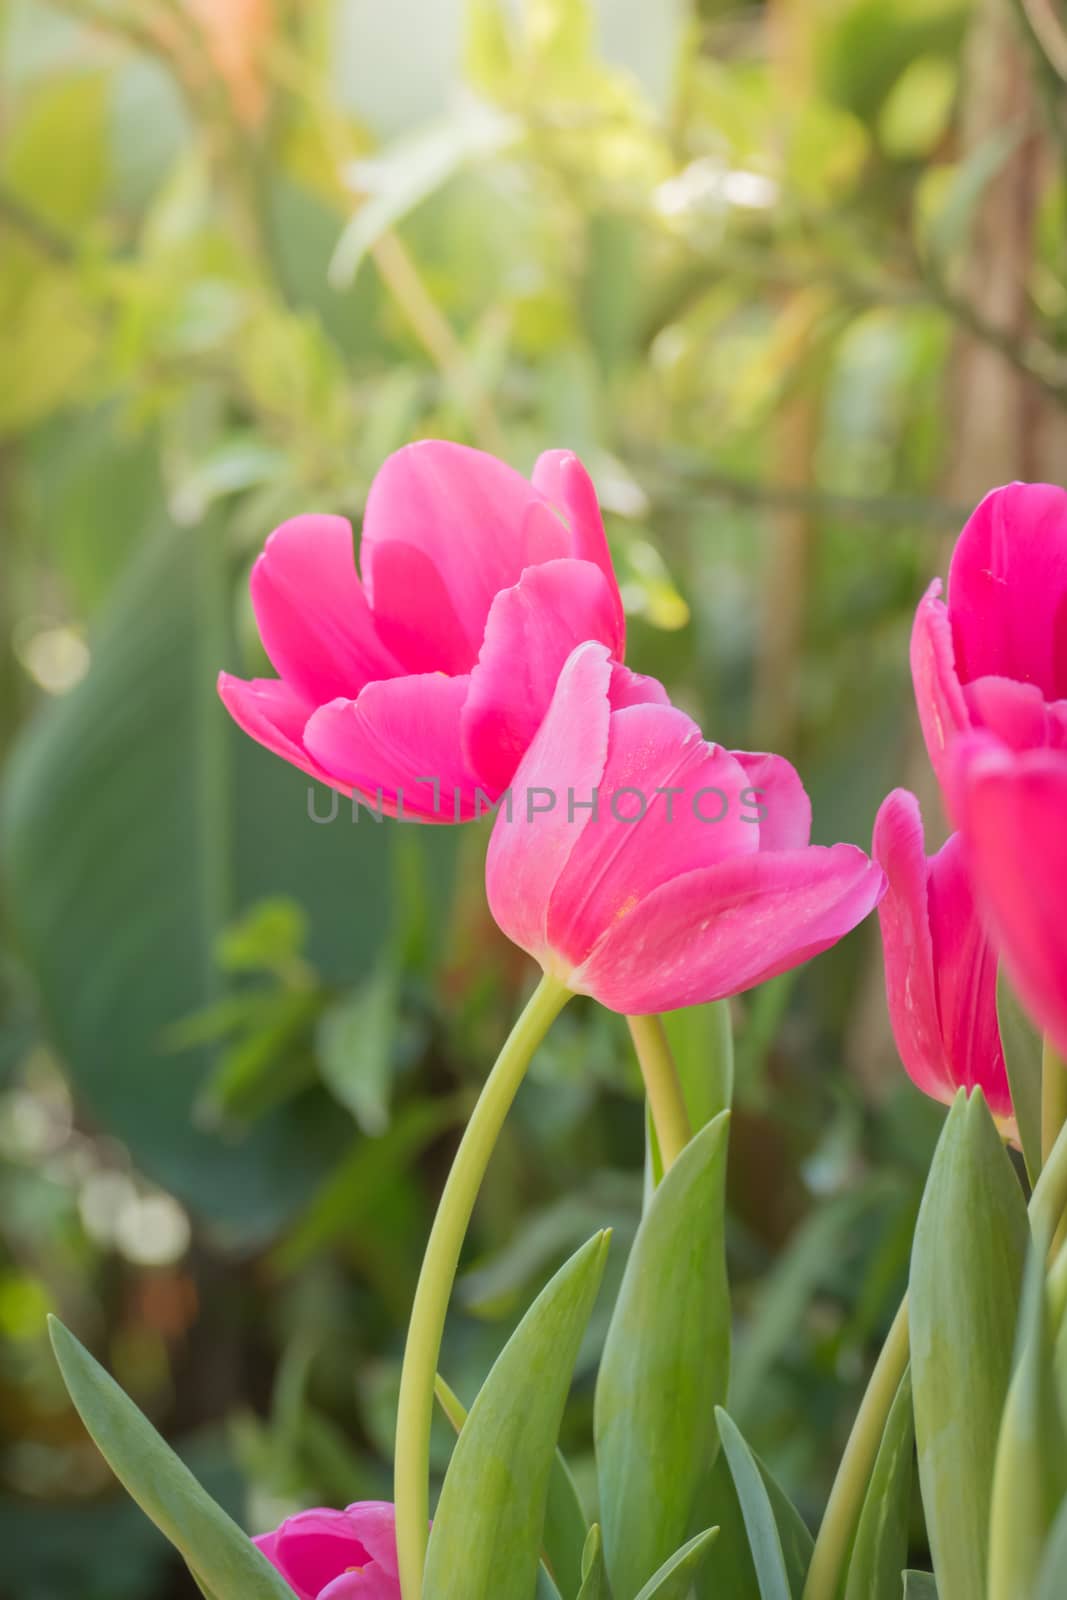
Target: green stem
[665,1099]
[857,1463]
[415,1405]
[1053,1096]
[1049,1199]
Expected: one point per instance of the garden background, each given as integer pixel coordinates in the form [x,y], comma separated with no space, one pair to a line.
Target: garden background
[791,279]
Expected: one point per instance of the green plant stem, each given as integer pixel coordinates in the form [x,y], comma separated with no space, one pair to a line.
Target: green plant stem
[665,1099]
[1053,1097]
[415,1405]
[857,1463]
[1049,1199]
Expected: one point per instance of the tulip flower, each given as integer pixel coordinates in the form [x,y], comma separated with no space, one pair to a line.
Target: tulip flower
[1011,807]
[337,1555]
[995,656]
[940,968]
[641,865]
[419,686]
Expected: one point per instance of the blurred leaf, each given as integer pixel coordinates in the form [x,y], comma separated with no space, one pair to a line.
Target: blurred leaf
[966,1273]
[56,155]
[1030,1477]
[1050,1584]
[916,114]
[213,1546]
[949,226]
[411,170]
[1021,1043]
[137,822]
[881,1546]
[701,1039]
[920,1586]
[674,1580]
[665,1366]
[482,1528]
[355,1049]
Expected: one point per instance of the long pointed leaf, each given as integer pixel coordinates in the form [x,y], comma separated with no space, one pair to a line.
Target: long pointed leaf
[222,1558]
[881,1546]
[594,1573]
[966,1273]
[488,1527]
[665,1366]
[674,1579]
[761,1525]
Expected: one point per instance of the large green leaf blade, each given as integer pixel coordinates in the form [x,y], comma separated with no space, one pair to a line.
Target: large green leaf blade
[665,1366]
[966,1273]
[222,1558]
[487,1529]
[881,1546]
[1030,1478]
[761,1525]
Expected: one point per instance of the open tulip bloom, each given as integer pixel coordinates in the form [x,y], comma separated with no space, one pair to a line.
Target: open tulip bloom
[475,661]
[995,656]
[419,685]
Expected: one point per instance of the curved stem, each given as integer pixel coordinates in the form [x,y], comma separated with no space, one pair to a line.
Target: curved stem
[415,1405]
[1049,1199]
[853,1475]
[665,1099]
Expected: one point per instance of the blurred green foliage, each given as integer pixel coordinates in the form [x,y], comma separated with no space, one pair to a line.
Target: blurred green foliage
[733,255]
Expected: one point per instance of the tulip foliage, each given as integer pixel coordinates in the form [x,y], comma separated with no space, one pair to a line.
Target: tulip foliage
[475,659]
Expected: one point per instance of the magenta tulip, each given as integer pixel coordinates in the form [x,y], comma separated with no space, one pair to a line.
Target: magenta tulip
[337,1555]
[641,865]
[1011,808]
[995,656]
[422,683]
[940,969]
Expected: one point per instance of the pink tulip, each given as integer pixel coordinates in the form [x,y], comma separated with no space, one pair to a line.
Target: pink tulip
[337,1555]
[693,879]
[996,656]
[1012,812]
[428,677]
[940,969]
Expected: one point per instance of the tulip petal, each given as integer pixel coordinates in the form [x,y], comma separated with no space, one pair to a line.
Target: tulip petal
[1008,588]
[532,629]
[965,969]
[785,810]
[532,842]
[273,714]
[399,744]
[314,1547]
[907,946]
[474,519]
[1011,810]
[668,802]
[1016,712]
[634,689]
[312,612]
[942,708]
[719,930]
[562,479]
[374,1523]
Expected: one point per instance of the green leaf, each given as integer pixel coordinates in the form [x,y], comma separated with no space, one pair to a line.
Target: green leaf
[119,903]
[221,1556]
[565,1536]
[413,169]
[1054,1564]
[1021,1043]
[594,1574]
[881,1546]
[355,1049]
[665,1366]
[919,1586]
[760,1523]
[966,1273]
[482,1528]
[674,1579]
[1030,1478]
[702,1043]
[730,1571]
